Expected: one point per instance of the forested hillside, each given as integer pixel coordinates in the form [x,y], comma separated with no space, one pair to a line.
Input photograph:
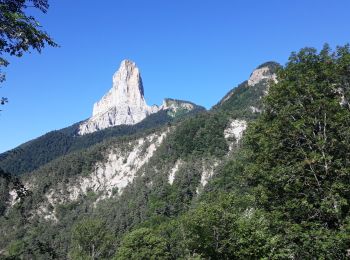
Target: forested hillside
[35,153]
[262,175]
[124,182]
[285,194]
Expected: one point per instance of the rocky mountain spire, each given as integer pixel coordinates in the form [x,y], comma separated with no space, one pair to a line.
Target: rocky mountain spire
[124,104]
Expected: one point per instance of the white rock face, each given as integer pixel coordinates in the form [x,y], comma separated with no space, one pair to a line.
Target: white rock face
[208,172]
[14,194]
[173,172]
[255,109]
[124,104]
[260,74]
[119,170]
[175,105]
[13,197]
[235,129]
[46,214]
[209,167]
[343,100]
[109,177]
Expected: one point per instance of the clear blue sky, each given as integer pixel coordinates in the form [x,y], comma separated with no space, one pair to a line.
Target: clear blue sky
[195,50]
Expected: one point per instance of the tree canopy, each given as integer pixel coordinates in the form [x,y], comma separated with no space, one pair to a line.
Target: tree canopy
[297,153]
[20,32]
[91,240]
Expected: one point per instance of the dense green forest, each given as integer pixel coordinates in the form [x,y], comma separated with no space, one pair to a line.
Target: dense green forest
[282,192]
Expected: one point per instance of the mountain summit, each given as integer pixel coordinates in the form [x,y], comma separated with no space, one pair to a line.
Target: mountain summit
[124,104]
[122,111]
[266,71]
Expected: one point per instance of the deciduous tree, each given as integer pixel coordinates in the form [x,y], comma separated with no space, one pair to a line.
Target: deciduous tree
[297,162]
[20,32]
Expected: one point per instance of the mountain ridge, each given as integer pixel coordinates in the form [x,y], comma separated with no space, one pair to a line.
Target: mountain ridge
[129,178]
[22,159]
[263,174]
[127,94]
[26,157]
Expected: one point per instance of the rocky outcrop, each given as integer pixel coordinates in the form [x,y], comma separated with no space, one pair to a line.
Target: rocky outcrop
[109,177]
[261,73]
[124,104]
[258,83]
[173,172]
[119,168]
[177,107]
[235,131]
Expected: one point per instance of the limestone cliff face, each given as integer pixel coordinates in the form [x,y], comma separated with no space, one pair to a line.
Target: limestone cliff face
[258,75]
[266,71]
[124,104]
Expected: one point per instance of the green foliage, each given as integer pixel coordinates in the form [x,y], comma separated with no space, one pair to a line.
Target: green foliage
[228,228]
[142,244]
[300,145]
[238,102]
[184,189]
[91,240]
[37,152]
[20,32]
[31,155]
[294,165]
[4,191]
[202,134]
[148,201]
[15,249]
[297,153]
[272,65]
[284,194]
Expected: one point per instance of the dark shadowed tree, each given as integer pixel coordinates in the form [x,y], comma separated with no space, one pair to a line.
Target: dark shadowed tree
[20,32]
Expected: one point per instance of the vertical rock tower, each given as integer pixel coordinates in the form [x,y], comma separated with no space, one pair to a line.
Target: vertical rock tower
[124,104]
